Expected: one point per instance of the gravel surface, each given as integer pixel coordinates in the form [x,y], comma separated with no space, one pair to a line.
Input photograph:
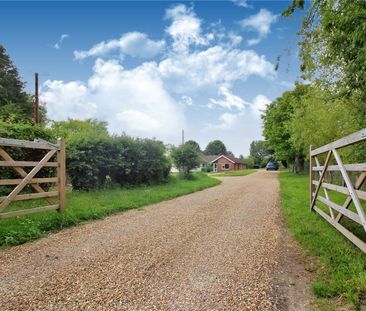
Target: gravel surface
[224,248]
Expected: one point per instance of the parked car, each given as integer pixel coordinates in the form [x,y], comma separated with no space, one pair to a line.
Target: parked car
[272,166]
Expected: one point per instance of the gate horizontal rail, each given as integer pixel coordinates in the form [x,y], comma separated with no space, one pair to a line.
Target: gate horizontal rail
[28,178]
[353,192]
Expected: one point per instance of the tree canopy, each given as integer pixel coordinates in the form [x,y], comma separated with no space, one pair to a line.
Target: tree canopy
[215,147]
[259,153]
[73,129]
[15,104]
[185,158]
[332,49]
[332,103]
[194,144]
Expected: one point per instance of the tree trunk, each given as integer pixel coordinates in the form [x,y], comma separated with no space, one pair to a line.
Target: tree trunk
[299,164]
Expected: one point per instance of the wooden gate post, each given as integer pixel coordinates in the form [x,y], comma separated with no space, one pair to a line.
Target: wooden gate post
[61,174]
[311,176]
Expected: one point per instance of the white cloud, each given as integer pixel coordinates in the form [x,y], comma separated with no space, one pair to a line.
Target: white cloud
[154,98]
[186,100]
[58,44]
[260,23]
[214,66]
[241,3]
[137,120]
[227,120]
[66,100]
[134,101]
[135,44]
[260,103]
[185,28]
[228,101]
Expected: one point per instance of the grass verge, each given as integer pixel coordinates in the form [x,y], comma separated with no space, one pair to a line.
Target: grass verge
[235,173]
[340,267]
[84,206]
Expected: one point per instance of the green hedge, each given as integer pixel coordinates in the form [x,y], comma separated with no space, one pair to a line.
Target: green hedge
[24,132]
[93,161]
[96,162]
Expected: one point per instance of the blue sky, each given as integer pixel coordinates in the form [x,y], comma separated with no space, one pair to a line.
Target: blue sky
[152,68]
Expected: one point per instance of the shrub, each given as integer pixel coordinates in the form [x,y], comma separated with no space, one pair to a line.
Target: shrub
[24,132]
[95,162]
[185,158]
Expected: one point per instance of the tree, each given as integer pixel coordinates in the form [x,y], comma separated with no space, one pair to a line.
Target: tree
[194,145]
[16,106]
[333,51]
[73,129]
[259,152]
[278,124]
[185,158]
[215,147]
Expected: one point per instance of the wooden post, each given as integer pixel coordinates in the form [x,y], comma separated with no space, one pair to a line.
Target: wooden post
[36,101]
[61,174]
[311,176]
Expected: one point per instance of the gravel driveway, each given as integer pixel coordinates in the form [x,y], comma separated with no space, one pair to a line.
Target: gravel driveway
[224,248]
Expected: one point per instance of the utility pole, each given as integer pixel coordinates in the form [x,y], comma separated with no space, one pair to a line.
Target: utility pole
[182,137]
[36,101]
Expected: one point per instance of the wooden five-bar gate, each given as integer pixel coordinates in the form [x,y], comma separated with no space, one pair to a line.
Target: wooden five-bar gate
[55,197]
[351,190]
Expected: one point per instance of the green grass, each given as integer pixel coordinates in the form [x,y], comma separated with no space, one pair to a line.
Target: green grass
[84,206]
[235,173]
[339,265]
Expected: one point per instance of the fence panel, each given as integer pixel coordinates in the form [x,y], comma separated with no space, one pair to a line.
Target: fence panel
[55,198]
[352,191]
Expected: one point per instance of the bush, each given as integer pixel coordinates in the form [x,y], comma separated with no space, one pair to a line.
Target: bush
[185,158]
[95,162]
[24,132]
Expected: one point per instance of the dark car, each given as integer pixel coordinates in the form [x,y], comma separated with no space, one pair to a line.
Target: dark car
[272,166]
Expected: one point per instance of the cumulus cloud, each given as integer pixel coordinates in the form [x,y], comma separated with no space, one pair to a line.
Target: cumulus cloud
[135,44]
[227,120]
[185,28]
[260,104]
[241,3]
[228,100]
[154,98]
[58,44]
[260,23]
[213,66]
[134,101]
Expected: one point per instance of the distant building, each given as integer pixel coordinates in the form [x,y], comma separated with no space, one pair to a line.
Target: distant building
[220,163]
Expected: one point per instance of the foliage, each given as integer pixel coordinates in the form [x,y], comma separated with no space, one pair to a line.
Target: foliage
[333,103]
[15,104]
[83,206]
[24,132]
[307,116]
[208,168]
[279,125]
[73,129]
[259,152]
[185,158]
[339,265]
[333,50]
[194,144]
[248,161]
[93,161]
[215,147]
